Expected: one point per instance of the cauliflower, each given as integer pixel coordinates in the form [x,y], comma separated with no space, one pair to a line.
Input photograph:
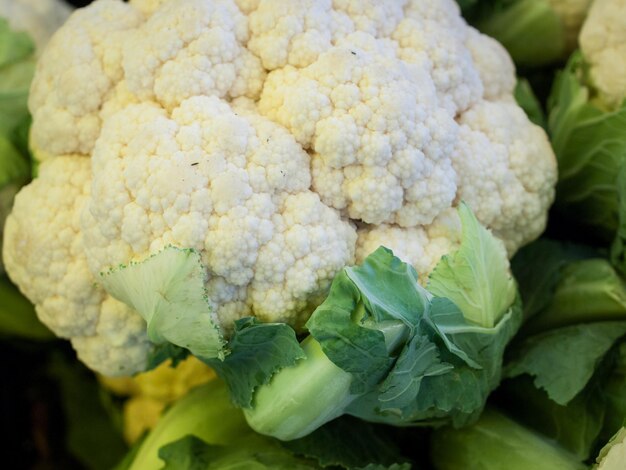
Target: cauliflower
[572,14]
[280,140]
[587,120]
[603,44]
[149,393]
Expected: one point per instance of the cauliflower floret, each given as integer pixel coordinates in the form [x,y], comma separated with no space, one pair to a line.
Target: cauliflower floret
[190,48]
[433,35]
[48,260]
[234,187]
[503,174]
[119,345]
[261,133]
[296,33]
[421,247]
[44,252]
[147,7]
[76,75]
[494,65]
[381,146]
[603,42]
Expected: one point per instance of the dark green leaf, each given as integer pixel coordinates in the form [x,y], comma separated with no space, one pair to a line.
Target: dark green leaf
[618,247]
[393,296]
[537,269]
[455,384]
[17,315]
[20,136]
[393,466]
[496,442]
[588,291]
[614,391]
[590,145]
[188,453]
[455,393]
[347,443]
[251,452]
[257,351]
[352,346]
[575,427]
[416,357]
[419,359]
[162,352]
[14,167]
[562,361]
[447,324]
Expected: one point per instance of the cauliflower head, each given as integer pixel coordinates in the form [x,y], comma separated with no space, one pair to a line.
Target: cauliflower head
[572,13]
[603,44]
[282,140]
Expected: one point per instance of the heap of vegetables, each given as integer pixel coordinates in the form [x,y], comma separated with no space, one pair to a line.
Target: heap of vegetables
[317,201]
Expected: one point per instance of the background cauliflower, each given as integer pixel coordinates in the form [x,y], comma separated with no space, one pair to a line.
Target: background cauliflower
[587,119]
[535,32]
[282,140]
[603,44]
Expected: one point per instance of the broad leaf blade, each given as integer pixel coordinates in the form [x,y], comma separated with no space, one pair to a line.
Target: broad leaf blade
[336,444]
[346,341]
[590,145]
[538,269]
[250,452]
[418,360]
[575,426]
[587,291]
[476,277]
[562,361]
[168,291]
[496,442]
[17,315]
[257,352]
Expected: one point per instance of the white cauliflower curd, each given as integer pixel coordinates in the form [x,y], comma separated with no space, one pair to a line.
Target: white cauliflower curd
[603,43]
[280,139]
